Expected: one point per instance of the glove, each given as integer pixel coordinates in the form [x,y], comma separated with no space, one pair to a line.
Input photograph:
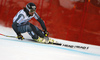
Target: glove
[46,33]
[20,37]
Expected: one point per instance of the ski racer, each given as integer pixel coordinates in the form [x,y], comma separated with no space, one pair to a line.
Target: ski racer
[21,24]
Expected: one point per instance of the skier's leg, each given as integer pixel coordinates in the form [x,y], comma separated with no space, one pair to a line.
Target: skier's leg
[40,33]
[24,28]
[33,31]
[28,28]
[33,35]
[37,31]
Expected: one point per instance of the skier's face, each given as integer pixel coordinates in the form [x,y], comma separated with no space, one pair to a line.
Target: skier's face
[31,13]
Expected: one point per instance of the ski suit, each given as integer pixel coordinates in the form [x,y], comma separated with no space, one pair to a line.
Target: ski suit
[21,24]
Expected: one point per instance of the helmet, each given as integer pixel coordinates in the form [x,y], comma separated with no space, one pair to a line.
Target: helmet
[31,7]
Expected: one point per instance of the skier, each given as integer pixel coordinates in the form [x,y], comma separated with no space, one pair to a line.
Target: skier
[21,24]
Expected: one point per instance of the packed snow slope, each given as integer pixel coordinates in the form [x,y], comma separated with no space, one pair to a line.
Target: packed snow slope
[14,49]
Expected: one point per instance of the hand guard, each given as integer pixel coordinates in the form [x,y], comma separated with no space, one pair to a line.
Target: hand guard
[20,37]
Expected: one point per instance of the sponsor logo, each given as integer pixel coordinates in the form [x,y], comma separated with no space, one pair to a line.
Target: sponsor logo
[75,46]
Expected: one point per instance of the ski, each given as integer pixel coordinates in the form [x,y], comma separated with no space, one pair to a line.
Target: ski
[8,36]
[32,40]
[55,43]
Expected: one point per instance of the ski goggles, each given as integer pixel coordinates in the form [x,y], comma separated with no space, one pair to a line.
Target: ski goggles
[31,10]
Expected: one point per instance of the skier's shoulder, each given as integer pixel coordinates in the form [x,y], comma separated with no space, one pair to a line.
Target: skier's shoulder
[22,12]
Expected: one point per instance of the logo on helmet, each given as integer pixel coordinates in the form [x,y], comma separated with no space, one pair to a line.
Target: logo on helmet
[33,7]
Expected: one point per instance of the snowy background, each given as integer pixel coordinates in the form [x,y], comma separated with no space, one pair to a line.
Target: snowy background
[14,49]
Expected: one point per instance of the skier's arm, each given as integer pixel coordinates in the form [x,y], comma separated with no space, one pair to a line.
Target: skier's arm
[40,21]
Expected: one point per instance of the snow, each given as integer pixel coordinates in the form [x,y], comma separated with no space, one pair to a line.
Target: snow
[14,49]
